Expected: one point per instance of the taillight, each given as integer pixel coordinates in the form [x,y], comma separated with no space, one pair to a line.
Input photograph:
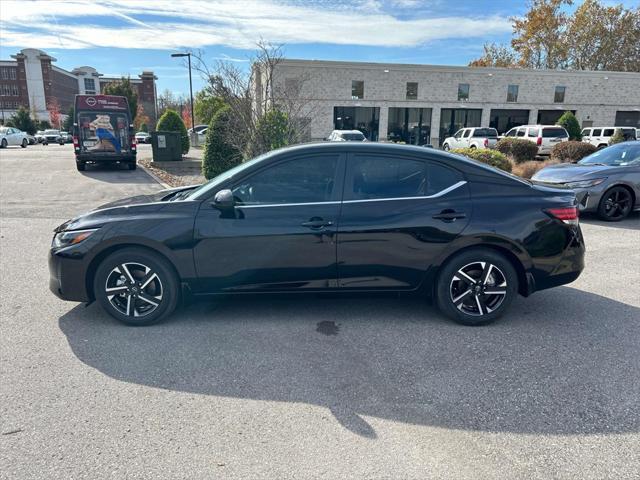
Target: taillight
[539,141]
[486,143]
[133,143]
[566,214]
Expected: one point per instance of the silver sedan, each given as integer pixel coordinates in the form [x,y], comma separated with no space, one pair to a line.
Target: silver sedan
[606,182]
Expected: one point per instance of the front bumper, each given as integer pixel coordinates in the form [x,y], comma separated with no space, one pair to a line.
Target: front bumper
[67,274]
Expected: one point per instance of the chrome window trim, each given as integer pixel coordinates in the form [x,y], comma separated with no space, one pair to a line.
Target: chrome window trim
[336,202]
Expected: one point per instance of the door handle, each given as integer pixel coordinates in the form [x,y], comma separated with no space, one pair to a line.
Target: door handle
[449,215]
[316,223]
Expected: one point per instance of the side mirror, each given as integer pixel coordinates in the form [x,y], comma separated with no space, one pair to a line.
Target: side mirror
[224,199]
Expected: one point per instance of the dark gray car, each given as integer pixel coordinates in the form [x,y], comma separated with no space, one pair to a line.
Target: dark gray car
[606,182]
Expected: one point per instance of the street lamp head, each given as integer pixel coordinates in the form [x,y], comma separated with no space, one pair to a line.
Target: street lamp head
[180,54]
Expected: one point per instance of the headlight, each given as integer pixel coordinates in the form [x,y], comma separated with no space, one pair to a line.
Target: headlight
[65,239]
[586,183]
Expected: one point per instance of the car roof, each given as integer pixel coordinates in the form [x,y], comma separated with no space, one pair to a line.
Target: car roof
[348,131]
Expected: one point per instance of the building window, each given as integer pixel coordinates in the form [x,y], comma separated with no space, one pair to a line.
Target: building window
[5,73]
[412,90]
[558,96]
[463,91]
[14,90]
[627,119]
[4,90]
[13,73]
[512,93]
[357,89]
[89,85]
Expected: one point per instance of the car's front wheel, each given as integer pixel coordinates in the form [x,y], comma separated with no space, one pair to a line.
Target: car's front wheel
[136,286]
[615,204]
[476,286]
[446,147]
[3,143]
[24,143]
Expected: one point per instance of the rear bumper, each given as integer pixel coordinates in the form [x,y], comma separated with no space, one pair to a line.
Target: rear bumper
[567,266]
[105,157]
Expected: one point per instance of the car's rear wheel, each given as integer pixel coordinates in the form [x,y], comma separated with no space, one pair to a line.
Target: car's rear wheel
[81,166]
[476,286]
[136,286]
[133,166]
[24,143]
[615,204]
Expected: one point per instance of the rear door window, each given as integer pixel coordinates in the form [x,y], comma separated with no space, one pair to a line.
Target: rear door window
[466,133]
[521,132]
[553,132]
[608,132]
[103,132]
[375,177]
[596,132]
[440,178]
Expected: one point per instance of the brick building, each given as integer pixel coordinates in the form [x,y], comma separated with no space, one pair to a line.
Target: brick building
[425,103]
[31,80]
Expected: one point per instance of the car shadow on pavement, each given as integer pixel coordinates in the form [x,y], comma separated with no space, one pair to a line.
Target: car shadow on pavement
[563,361]
[114,173]
[632,222]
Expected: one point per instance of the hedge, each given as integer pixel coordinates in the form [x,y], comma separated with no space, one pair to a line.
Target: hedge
[485,155]
[219,156]
[519,149]
[571,151]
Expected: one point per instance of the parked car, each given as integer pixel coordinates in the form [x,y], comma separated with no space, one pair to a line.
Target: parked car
[347,136]
[52,136]
[66,137]
[327,217]
[599,136]
[202,135]
[472,138]
[11,136]
[606,182]
[545,136]
[143,137]
[39,136]
[197,128]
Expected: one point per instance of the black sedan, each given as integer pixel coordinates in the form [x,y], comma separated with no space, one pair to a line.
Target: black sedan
[606,182]
[339,217]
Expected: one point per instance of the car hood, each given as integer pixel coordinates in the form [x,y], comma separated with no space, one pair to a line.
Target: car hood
[572,172]
[123,207]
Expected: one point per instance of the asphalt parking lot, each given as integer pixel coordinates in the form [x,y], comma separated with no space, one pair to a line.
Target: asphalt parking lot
[307,387]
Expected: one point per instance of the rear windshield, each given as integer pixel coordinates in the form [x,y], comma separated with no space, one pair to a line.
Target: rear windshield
[554,132]
[352,137]
[485,132]
[103,132]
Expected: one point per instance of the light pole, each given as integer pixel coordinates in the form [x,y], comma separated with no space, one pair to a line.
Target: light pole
[188,55]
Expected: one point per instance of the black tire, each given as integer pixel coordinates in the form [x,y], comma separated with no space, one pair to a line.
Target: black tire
[117,272]
[3,144]
[472,147]
[133,166]
[464,301]
[81,166]
[24,143]
[615,204]
[446,147]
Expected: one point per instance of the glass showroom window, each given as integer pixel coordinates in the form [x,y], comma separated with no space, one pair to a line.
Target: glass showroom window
[463,91]
[512,93]
[357,89]
[558,96]
[412,90]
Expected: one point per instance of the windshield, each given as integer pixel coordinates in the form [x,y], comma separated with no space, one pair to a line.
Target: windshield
[627,153]
[210,187]
[51,132]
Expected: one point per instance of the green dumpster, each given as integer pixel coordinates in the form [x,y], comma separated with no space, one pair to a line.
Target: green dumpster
[167,146]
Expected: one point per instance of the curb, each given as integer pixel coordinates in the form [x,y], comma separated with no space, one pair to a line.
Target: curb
[154,176]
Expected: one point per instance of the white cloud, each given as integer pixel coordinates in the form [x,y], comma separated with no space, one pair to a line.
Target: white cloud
[168,24]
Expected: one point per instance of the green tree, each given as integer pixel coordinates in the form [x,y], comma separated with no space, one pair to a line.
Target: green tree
[144,128]
[170,121]
[124,88]
[570,123]
[273,130]
[206,105]
[618,137]
[219,154]
[43,125]
[22,121]
[67,126]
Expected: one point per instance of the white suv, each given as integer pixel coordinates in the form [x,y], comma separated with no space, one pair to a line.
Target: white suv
[472,138]
[599,136]
[544,136]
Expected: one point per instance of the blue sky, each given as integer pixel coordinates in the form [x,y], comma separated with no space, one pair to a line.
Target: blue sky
[120,37]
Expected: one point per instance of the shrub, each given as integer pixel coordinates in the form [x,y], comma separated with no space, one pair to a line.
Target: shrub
[570,123]
[490,157]
[144,128]
[219,154]
[571,151]
[170,121]
[22,121]
[617,137]
[528,169]
[519,149]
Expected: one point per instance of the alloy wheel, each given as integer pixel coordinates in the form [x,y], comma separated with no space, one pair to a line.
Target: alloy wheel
[478,288]
[617,203]
[134,289]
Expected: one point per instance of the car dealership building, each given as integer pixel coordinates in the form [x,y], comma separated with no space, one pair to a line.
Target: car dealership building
[423,104]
